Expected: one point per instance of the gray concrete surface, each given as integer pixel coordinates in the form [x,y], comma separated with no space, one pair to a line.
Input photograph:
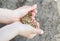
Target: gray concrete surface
[47,16]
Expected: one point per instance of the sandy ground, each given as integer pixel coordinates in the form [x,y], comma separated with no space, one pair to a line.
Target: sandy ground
[47,16]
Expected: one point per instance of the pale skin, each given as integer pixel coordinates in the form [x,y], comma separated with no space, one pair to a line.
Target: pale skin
[14,26]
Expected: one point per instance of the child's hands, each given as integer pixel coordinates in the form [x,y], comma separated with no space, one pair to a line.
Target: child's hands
[11,30]
[13,17]
[26,30]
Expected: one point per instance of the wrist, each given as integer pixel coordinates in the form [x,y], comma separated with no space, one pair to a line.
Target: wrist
[5,15]
[17,26]
[12,28]
[8,32]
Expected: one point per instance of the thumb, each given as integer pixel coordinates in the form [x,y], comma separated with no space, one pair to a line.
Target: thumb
[22,11]
[28,9]
[32,7]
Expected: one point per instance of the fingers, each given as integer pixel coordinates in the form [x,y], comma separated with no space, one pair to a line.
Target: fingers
[22,11]
[34,32]
[32,7]
[34,12]
[29,8]
[38,31]
[27,30]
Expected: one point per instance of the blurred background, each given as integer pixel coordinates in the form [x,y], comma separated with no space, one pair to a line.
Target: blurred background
[48,16]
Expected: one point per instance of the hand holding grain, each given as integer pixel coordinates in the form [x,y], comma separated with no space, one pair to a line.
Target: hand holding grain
[13,19]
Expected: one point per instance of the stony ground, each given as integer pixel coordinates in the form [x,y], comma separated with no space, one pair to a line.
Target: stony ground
[47,16]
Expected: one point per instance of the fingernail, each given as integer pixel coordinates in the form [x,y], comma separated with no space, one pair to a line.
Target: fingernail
[41,32]
[35,6]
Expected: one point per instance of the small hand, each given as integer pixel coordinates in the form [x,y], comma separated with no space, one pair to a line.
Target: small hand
[26,30]
[13,17]
[9,16]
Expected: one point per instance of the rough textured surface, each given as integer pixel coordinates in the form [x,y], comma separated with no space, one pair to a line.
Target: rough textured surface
[47,16]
